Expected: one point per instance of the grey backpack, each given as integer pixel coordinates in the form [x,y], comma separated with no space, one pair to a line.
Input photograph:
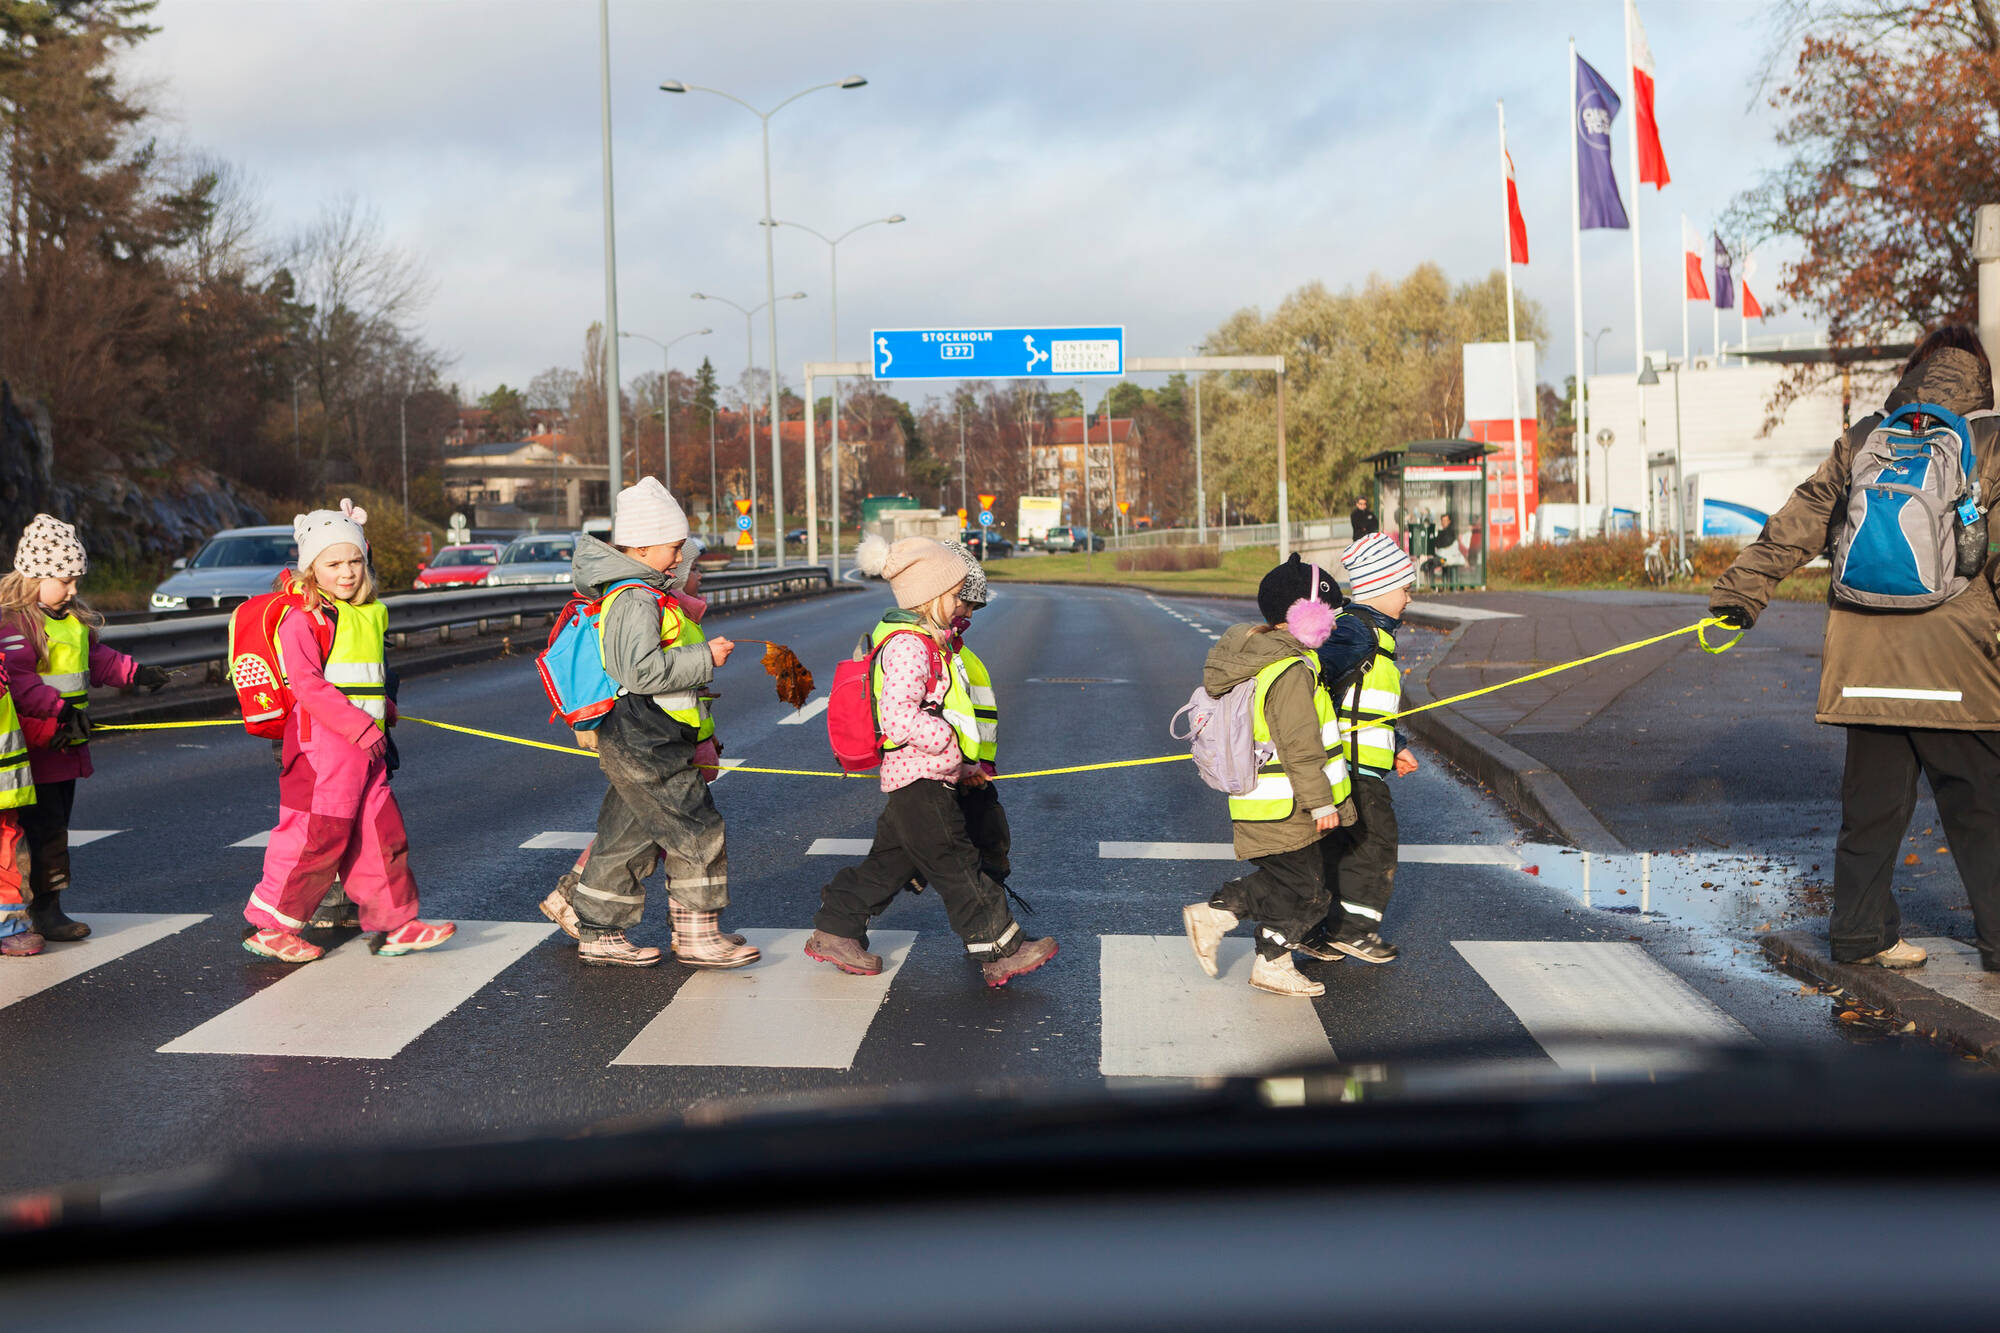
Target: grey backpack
[1914,531]
[1221,733]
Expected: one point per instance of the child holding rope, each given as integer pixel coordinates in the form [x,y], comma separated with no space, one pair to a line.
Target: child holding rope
[336,813]
[48,638]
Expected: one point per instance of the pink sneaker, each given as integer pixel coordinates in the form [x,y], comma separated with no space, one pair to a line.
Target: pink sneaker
[21,944]
[414,935]
[281,946]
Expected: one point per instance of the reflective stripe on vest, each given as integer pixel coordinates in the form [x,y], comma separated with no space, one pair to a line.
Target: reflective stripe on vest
[17,784]
[354,664]
[687,707]
[957,707]
[985,704]
[1273,798]
[1371,746]
[65,665]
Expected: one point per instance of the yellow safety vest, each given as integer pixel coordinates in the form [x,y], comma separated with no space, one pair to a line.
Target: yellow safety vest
[17,784]
[687,707]
[354,664]
[65,664]
[1272,797]
[958,707]
[985,704]
[1371,745]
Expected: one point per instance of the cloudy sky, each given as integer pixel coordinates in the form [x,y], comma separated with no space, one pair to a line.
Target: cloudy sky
[1156,165]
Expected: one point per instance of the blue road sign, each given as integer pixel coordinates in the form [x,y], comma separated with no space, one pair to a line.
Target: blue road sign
[986,518]
[743,522]
[998,354]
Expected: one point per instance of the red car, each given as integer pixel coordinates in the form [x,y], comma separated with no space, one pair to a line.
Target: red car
[458,567]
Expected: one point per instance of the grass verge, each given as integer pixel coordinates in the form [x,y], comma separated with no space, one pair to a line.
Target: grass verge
[1237,576]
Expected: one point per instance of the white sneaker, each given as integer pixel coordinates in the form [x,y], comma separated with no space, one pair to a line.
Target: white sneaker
[1206,926]
[1902,954]
[1281,976]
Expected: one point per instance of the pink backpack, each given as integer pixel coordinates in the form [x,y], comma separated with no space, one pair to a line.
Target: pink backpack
[852,726]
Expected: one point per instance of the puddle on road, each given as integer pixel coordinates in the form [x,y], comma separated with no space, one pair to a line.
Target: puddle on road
[1738,894]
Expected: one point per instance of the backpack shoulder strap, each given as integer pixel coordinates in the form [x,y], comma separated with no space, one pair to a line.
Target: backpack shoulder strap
[935,653]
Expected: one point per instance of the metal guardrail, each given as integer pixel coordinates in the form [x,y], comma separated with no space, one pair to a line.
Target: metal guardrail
[189,640]
[1234,537]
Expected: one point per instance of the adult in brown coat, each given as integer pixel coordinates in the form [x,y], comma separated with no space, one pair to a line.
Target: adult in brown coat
[1916,690]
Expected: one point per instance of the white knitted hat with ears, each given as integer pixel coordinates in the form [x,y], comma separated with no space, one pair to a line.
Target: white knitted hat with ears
[50,549]
[322,528]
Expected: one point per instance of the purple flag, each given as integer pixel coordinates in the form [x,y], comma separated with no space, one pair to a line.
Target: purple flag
[1596,184]
[1725,283]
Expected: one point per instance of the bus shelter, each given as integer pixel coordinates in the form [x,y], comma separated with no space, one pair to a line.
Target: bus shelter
[1431,498]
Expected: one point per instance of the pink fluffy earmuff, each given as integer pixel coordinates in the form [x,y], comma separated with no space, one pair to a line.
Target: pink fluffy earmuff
[1310,619]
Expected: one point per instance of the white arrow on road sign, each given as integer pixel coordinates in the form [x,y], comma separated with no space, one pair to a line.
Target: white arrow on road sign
[1033,355]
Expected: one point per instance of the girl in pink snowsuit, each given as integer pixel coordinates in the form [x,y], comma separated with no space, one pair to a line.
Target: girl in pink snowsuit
[336,812]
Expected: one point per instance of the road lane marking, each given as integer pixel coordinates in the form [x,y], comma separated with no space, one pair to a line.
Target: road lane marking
[1416,853]
[255,840]
[353,1005]
[112,935]
[1953,971]
[1599,1006]
[1454,611]
[783,1012]
[1163,1018]
[840,847]
[804,715]
[78,837]
[568,842]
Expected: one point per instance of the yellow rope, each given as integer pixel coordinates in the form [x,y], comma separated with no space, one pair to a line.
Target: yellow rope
[1698,629]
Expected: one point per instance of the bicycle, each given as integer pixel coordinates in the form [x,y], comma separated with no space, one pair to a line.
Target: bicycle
[1662,569]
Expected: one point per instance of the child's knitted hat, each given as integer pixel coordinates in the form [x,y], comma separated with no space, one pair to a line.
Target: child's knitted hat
[324,528]
[919,569]
[1291,581]
[974,592]
[646,515]
[49,549]
[1376,565]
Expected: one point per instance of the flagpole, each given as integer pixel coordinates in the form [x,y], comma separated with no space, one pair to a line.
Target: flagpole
[1686,349]
[1715,303]
[1580,413]
[1742,304]
[1638,272]
[1513,366]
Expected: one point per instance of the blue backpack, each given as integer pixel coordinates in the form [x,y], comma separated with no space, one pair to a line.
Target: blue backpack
[580,690]
[1914,522]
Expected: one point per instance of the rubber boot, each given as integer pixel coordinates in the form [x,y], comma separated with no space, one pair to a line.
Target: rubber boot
[50,922]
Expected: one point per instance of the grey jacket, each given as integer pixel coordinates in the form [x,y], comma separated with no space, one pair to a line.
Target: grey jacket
[632,652]
[1240,654]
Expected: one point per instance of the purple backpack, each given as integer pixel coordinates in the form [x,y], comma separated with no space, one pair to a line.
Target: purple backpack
[1219,731]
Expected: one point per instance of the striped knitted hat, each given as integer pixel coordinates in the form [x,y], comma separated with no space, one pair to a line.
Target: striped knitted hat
[1376,565]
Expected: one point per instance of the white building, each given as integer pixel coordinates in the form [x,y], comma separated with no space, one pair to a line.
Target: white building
[1736,472]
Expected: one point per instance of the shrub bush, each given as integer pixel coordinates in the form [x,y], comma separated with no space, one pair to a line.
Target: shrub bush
[1152,559]
[1600,561]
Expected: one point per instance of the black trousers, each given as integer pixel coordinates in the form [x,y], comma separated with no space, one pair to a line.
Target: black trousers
[1362,861]
[922,831]
[986,825]
[1878,793]
[45,828]
[1286,895]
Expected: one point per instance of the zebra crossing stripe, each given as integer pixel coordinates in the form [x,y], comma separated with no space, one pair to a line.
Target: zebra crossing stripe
[112,935]
[353,1005]
[1164,1018]
[804,715]
[80,837]
[784,1012]
[840,847]
[1600,1007]
[255,840]
[568,842]
[1416,853]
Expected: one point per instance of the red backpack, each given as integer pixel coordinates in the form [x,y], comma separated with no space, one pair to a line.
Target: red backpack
[852,727]
[262,694]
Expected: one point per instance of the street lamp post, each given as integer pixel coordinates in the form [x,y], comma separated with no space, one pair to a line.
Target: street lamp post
[770,272]
[833,292]
[711,469]
[1200,491]
[613,447]
[749,363]
[666,397]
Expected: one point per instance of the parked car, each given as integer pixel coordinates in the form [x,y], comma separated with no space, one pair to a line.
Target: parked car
[1066,538]
[795,537]
[534,559]
[459,566]
[986,544]
[717,552]
[232,567]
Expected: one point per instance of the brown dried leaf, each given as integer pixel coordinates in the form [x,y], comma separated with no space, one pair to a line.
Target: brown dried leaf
[795,683]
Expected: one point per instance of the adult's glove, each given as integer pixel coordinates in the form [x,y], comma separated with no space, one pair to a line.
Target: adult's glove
[151,678]
[1733,617]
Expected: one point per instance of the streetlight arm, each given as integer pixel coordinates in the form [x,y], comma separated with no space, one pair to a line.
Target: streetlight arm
[800,226]
[643,338]
[698,88]
[817,87]
[703,296]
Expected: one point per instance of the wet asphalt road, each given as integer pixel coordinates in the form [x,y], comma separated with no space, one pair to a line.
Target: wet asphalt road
[1083,675]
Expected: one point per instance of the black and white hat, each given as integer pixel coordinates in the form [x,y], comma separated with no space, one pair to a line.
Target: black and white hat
[50,549]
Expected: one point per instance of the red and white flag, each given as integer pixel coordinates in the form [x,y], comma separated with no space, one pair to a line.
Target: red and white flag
[1652,161]
[1517,226]
[1697,285]
[1751,310]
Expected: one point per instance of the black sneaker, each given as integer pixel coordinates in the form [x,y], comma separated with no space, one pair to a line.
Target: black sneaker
[1319,948]
[1369,948]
